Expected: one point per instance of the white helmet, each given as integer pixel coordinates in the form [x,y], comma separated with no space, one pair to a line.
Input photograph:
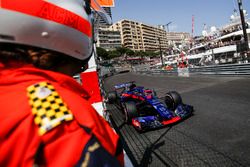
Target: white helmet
[59,25]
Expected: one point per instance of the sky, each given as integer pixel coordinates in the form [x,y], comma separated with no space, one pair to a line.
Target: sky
[179,12]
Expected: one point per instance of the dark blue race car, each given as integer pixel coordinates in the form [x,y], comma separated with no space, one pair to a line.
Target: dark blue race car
[144,110]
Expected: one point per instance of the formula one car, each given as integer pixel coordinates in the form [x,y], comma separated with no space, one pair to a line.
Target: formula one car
[144,110]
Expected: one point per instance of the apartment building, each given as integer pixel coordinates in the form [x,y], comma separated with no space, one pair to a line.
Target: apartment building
[178,38]
[105,37]
[108,39]
[140,37]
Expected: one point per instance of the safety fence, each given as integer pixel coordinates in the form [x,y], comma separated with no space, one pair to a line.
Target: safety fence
[228,69]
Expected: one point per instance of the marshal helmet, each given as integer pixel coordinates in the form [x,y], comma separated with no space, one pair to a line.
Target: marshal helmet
[63,26]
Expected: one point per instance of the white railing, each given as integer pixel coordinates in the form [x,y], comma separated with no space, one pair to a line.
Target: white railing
[228,69]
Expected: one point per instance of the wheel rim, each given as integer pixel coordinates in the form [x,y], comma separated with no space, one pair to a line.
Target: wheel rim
[170,97]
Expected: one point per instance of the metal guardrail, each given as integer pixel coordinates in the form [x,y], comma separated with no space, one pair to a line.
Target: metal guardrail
[228,69]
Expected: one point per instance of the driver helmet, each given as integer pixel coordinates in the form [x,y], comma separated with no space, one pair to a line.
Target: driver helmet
[63,26]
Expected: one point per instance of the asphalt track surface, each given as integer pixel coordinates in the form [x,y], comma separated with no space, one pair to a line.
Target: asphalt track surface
[218,134]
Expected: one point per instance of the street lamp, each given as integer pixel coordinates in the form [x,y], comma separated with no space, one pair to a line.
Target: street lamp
[167,25]
[246,47]
[162,62]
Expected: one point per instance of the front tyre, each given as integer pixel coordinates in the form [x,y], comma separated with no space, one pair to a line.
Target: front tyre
[173,99]
[130,111]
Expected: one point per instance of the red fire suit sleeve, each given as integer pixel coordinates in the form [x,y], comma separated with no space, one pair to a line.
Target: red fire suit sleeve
[71,145]
[83,139]
[45,121]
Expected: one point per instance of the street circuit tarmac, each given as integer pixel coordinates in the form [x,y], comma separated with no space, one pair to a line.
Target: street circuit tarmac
[216,135]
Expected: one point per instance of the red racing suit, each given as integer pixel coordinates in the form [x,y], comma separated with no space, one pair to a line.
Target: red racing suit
[45,120]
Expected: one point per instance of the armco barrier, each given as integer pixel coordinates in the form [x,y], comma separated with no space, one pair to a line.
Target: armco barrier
[228,69]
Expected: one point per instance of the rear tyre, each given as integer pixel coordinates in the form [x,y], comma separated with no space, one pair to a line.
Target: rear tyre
[112,97]
[130,111]
[173,99]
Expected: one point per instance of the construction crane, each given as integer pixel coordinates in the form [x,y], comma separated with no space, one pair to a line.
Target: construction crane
[167,25]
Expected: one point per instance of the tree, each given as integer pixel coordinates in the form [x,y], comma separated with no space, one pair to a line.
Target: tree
[102,53]
[151,53]
[130,52]
[141,54]
[113,54]
[122,50]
